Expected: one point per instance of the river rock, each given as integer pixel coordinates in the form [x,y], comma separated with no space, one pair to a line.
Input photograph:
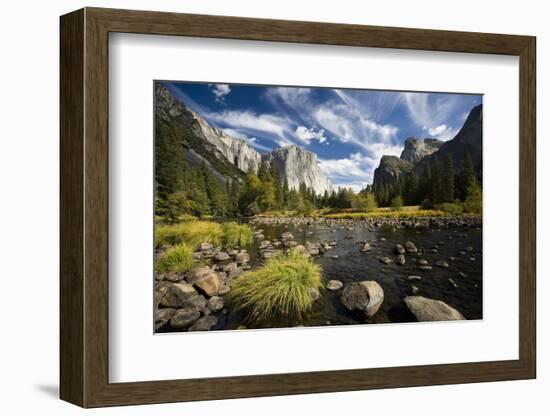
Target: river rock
[230,267]
[441,263]
[204,323]
[183,318]
[205,279]
[242,258]
[399,249]
[162,316]
[453,283]
[221,256]
[233,252]
[174,277]
[414,278]
[425,309]
[174,295]
[400,259]
[366,247]
[423,262]
[334,285]
[287,236]
[366,296]
[264,244]
[424,267]
[205,246]
[269,254]
[215,303]
[410,247]
[313,251]
[314,294]
[385,260]
[197,303]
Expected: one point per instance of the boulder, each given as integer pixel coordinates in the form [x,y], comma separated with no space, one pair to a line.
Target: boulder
[399,249]
[410,247]
[264,244]
[205,246]
[242,258]
[425,309]
[400,259]
[221,256]
[366,296]
[204,323]
[183,318]
[162,316]
[366,247]
[205,279]
[174,295]
[334,285]
[215,303]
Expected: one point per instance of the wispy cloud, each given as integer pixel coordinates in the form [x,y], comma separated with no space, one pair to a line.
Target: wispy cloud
[442,132]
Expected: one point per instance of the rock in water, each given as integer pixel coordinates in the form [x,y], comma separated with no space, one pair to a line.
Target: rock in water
[204,323]
[334,285]
[366,248]
[400,259]
[441,263]
[385,260]
[366,296]
[399,249]
[205,279]
[242,258]
[425,309]
[221,256]
[410,247]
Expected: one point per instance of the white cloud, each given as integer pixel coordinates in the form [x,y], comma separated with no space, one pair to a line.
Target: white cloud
[307,135]
[220,91]
[258,122]
[250,140]
[430,113]
[442,132]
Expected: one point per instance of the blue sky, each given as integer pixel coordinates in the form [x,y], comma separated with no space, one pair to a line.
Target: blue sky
[349,130]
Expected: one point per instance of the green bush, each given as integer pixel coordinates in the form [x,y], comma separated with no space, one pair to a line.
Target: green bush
[474,199]
[176,259]
[427,204]
[396,203]
[451,208]
[279,289]
[237,234]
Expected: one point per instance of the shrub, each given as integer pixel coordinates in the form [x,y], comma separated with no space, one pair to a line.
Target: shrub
[279,289]
[237,234]
[451,208]
[190,232]
[176,259]
[427,204]
[474,200]
[396,203]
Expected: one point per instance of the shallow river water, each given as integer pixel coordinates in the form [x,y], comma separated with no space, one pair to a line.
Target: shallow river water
[445,244]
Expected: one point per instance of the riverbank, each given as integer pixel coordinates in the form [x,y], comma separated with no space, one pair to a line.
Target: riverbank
[436,258]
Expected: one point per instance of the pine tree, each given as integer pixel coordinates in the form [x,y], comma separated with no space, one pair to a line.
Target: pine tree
[448,187]
[468,175]
[286,192]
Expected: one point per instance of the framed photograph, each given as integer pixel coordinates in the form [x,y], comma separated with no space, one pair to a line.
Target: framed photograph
[256,207]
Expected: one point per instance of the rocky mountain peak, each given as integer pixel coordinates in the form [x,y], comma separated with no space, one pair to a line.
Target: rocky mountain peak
[417,149]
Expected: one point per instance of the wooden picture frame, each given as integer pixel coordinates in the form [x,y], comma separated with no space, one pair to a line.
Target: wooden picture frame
[84,207]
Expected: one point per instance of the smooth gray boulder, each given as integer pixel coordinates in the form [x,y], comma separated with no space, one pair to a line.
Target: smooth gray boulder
[428,310]
[366,296]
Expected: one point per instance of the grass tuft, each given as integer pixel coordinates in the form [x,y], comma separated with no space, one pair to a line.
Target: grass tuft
[279,289]
[189,232]
[176,259]
[237,234]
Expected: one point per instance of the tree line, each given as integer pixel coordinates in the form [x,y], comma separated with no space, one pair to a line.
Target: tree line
[440,182]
